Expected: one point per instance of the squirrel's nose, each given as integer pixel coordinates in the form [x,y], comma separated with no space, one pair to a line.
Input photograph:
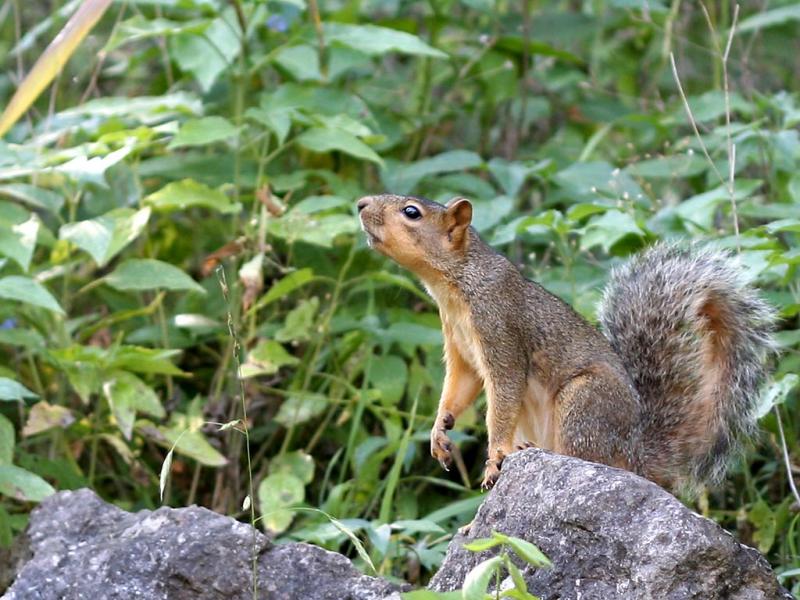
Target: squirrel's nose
[363,203]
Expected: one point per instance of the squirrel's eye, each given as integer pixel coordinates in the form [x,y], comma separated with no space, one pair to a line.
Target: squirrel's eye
[412,212]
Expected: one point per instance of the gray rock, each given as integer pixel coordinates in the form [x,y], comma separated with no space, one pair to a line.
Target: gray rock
[84,548]
[610,534]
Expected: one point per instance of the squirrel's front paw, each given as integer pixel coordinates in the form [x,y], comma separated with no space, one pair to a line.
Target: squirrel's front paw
[441,447]
[491,473]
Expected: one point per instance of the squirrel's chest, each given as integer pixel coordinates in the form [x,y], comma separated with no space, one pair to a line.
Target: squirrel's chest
[457,324]
[468,344]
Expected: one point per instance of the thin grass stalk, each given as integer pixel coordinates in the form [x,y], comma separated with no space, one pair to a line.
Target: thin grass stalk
[236,349]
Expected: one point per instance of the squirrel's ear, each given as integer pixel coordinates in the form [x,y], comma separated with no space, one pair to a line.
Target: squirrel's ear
[459,217]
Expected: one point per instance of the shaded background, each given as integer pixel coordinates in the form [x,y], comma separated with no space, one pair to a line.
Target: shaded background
[196,145]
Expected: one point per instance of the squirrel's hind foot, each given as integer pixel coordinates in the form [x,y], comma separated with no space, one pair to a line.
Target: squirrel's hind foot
[491,473]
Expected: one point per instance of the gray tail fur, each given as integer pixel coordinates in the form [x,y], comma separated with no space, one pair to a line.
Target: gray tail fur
[695,339]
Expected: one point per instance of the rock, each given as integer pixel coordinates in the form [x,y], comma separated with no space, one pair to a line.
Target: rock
[609,534]
[84,548]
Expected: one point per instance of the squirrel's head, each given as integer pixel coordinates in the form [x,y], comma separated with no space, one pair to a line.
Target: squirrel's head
[418,234]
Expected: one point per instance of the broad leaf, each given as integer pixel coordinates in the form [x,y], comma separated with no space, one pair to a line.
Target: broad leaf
[374,40]
[18,241]
[300,408]
[203,131]
[323,140]
[477,580]
[44,416]
[275,492]
[33,196]
[28,291]
[12,390]
[151,274]
[188,193]
[266,358]
[105,236]
[23,485]
[403,178]
[298,463]
[7,441]
[127,395]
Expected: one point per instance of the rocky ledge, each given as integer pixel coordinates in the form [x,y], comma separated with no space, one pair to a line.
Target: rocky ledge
[609,534]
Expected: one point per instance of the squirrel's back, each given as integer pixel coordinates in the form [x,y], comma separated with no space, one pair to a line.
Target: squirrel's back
[694,338]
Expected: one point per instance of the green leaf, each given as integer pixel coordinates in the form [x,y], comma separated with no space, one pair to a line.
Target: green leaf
[374,40]
[207,56]
[19,240]
[285,286]
[389,374]
[482,544]
[144,360]
[25,338]
[127,395]
[477,580]
[33,196]
[711,106]
[701,209]
[764,519]
[300,407]
[312,229]
[411,526]
[203,131]
[299,322]
[588,179]
[516,577]
[104,237]
[7,441]
[322,140]
[266,358]
[23,485]
[188,193]
[413,334]
[277,121]
[525,550]
[403,178]
[146,109]
[669,167]
[301,62]
[188,443]
[792,225]
[769,18]
[28,291]
[608,229]
[298,463]
[150,274]
[431,595]
[139,28]
[275,492]
[776,393]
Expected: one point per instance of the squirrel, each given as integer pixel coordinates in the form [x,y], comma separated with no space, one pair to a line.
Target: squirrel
[668,390]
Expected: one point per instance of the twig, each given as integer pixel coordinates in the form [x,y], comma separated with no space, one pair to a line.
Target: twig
[727,99]
[786,455]
[692,119]
[313,10]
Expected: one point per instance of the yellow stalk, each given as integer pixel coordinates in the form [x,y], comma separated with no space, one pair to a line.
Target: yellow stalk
[53,60]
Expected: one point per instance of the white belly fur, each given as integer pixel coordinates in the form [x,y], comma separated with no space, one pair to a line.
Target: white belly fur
[536,420]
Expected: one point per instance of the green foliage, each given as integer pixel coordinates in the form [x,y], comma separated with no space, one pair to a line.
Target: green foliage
[490,571]
[192,139]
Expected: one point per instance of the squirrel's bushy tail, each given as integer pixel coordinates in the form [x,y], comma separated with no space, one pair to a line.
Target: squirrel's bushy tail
[694,338]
